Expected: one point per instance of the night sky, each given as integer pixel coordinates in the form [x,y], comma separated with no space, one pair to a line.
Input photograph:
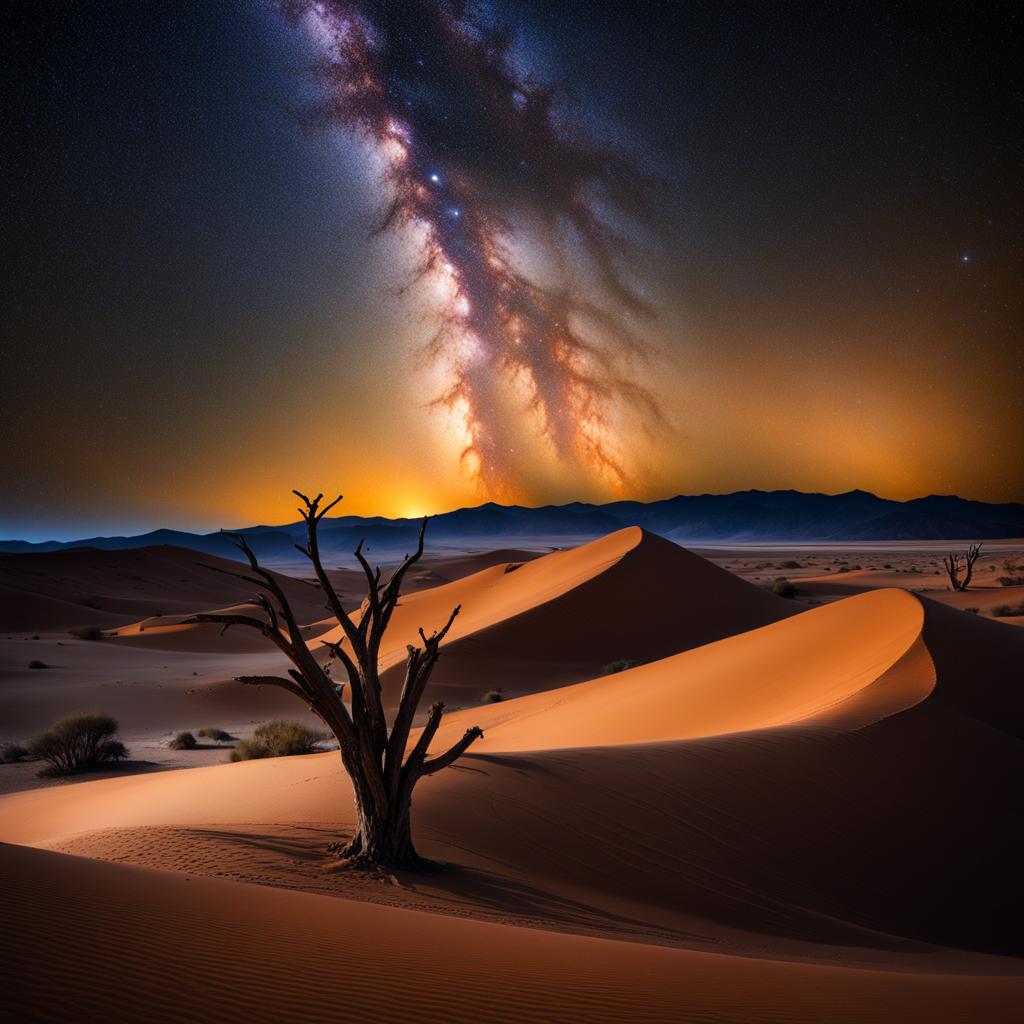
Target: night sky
[435,253]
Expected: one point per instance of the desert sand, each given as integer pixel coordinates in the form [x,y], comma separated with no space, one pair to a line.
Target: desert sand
[787,810]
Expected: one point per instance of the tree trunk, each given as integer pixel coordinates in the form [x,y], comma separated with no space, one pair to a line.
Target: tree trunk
[383,840]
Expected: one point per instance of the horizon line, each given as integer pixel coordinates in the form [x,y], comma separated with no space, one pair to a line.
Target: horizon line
[203,532]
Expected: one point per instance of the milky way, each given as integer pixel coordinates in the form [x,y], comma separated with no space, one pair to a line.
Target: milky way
[486,175]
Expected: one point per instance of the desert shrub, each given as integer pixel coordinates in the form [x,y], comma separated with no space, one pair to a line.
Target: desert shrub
[973,611]
[783,588]
[210,732]
[183,741]
[1011,581]
[790,565]
[278,739]
[492,697]
[79,743]
[86,633]
[619,665]
[249,750]
[36,663]
[12,753]
[1005,611]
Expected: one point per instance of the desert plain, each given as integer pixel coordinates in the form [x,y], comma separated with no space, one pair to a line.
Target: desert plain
[695,799]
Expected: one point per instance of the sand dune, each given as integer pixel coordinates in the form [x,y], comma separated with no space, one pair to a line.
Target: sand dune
[534,625]
[846,664]
[825,787]
[525,627]
[559,618]
[166,947]
[59,590]
[790,785]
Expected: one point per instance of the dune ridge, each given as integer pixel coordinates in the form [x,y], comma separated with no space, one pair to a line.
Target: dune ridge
[559,618]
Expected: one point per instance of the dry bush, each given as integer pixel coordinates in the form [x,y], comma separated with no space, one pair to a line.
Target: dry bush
[183,741]
[210,732]
[79,743]
[619,665]
[278,739]
[1006,611]
[12,753]
[783,588]
[86,633]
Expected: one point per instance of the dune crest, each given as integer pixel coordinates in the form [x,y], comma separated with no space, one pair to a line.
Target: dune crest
[558,619]
[845,664]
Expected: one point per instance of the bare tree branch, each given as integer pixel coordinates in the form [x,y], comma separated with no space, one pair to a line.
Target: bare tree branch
[278,681]
[451,755]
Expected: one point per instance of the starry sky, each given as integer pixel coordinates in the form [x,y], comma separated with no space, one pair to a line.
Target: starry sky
[432,253]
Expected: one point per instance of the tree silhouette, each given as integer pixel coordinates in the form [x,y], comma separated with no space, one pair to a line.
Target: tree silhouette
[953,566]
[384,772]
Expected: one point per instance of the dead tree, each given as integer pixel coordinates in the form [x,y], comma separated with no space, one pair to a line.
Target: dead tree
[383,770]
[953,566]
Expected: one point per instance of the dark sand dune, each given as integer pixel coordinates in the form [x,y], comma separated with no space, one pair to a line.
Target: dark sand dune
[980,663]
[164,947]
[62,589]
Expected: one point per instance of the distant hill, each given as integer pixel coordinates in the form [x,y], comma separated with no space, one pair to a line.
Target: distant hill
[744,516]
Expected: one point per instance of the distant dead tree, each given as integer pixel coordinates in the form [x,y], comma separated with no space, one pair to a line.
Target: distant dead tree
[374,754]
[953,565]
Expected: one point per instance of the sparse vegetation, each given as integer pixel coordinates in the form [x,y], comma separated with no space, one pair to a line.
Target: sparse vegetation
[973,611]
[1011,581]
[619,665]
[790,565]
[86,633]
[36,663]
[183,741]
[12,753]
[1006,611]
[210,732]
[783,588]
[492,697]
[278,739]
[79,743]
